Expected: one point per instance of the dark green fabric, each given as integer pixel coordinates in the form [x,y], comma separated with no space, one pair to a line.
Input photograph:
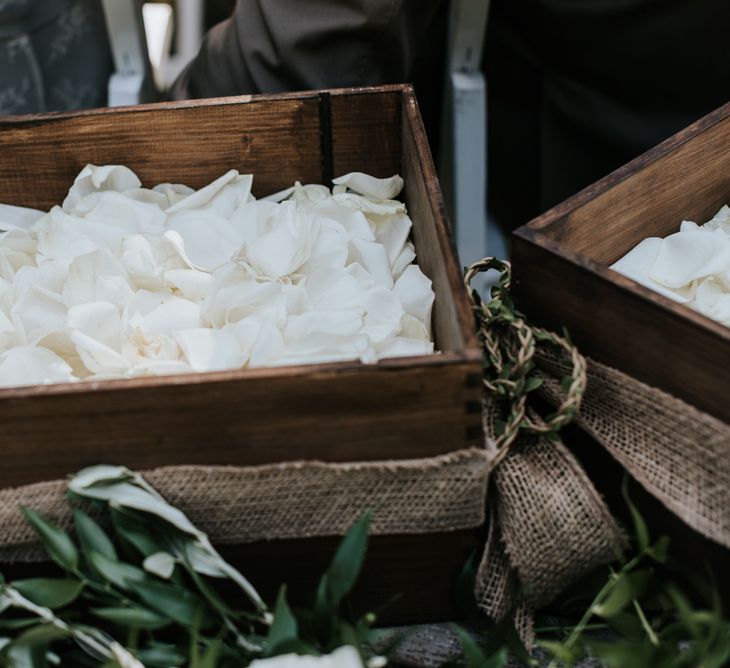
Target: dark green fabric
[54,55]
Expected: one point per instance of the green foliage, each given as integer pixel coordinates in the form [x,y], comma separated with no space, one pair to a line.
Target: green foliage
[140,580]
[643,609]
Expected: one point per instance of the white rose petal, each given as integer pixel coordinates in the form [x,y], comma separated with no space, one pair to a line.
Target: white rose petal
[370,186]
[18,217]
[372,257]
[414,291]
[691,266]
[211,349]
[28,365]
[209,241]
[199,198]
[93,180]
[686,256]
[124,281]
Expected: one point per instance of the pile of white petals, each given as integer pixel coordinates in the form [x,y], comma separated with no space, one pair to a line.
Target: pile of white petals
[691,267]
[124,281]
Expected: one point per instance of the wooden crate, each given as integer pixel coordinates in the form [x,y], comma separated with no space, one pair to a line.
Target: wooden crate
[562,279]
[397,408]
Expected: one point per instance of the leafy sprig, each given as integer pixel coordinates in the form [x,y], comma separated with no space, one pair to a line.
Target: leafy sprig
[141,587]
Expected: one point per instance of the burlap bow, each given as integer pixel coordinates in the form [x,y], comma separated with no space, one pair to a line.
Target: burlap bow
[549,526]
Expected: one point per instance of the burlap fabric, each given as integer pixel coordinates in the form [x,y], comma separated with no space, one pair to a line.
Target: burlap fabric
[678,453]
[550,526]
[290,500]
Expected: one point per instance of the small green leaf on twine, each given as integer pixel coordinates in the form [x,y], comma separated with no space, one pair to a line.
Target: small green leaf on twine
[510,374]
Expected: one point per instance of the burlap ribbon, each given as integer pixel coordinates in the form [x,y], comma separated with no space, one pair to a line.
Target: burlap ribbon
[550,526]
[290,500]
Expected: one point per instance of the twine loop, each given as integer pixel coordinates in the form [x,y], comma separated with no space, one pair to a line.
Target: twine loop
[510,375]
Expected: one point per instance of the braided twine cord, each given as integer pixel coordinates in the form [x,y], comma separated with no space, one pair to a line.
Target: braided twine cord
[509,344]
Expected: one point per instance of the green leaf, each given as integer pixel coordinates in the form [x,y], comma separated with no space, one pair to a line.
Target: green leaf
[179,604]
[121,488]
[92,537]
[48,592]
[164,656]
[117,572]
[297,646]
[324,613]
[628,586]
[211,655]
[659,552]
[17,624]
[25,656]
[57,542]
[42,634]
[284,627]
[641,531]
[475,655]
[132,617]
[134,531]
[533,383]
[348,560]
[623,654]
[161,564]
[211,595]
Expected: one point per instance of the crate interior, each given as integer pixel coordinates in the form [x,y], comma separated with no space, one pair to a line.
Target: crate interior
[280,139]
[690,182]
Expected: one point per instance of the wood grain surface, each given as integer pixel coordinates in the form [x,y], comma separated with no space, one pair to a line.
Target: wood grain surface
[562,278]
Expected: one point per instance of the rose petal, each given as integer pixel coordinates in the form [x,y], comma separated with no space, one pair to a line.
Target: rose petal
[28,365]
[192,284]
[199,198]
[18,217]
[637,263]
[392,232]
[92,179]
[211,349]
[686,256]
[415,293]
[208,240]
[373,258]
[408,254]
[370,186]
[100,320]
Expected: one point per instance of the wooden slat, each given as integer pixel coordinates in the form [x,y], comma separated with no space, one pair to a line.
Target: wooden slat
[453,320]
[345,414]
[687,177]
[366,133]
[276,140]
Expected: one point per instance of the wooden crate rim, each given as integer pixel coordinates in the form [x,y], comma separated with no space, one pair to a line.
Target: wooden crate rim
[198,378]
[532,232]
[471,352]
[30,119]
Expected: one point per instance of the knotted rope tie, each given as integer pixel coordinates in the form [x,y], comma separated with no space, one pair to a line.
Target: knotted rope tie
[509,345]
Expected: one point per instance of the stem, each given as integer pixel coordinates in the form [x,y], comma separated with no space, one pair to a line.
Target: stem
[583,623]
[653,638]
[554,629]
